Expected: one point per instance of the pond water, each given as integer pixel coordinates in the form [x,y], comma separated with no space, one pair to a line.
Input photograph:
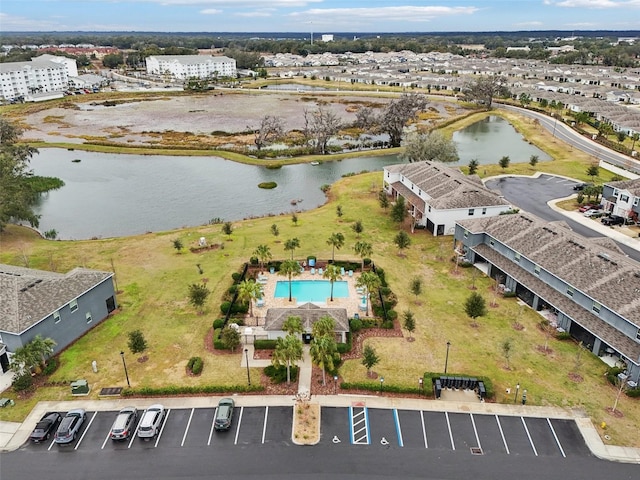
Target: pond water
[108,195]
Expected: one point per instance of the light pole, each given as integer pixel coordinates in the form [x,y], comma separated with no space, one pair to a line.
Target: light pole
[515,399]
[246,355]
[524,396]
[446,359]
[381,382]
[335,384]
[125,368]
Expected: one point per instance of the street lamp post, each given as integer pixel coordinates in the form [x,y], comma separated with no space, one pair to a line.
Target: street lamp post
[125,368]
[381,382]
[446,359]
[335,384]
[246,355]
[515,399]
[524,396]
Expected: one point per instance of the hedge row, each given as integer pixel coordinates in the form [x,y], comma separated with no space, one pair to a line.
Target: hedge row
[375,387]
[189,390]
[264,344]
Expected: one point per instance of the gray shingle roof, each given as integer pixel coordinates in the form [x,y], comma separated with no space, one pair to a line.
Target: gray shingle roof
[309,314]
[27,296]
[605,275]
[632,186]
[448,188]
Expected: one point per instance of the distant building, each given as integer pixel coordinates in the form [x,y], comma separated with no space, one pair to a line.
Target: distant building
[327,38]
[183,67]
[43,74]
[59,306]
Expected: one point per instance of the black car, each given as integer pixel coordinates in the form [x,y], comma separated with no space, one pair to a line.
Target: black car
[45,427]
[581,186]
[613,220]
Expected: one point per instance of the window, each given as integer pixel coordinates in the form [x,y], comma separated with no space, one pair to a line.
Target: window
[536,270]
[624,198]
[56,317]
[636,201]
[492,242]
[570,291]
[73,305]
[471,212]
[596,307]
[637,336]
[484,211]
[429,207]
[88,317]
[517,257]
[466,234]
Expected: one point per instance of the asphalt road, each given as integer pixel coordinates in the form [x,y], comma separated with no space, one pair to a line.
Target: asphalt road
[532,195]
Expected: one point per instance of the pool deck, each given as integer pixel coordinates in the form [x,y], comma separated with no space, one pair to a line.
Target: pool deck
[351,303]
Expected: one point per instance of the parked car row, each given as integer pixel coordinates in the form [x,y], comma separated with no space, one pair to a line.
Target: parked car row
[66,429]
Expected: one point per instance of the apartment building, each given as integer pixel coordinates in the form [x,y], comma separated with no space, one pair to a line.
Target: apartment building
[183,67]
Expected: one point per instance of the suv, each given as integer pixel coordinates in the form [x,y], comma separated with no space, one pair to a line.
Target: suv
[70,426]
[124,424]
[613,220]
[224,414]
[151,421]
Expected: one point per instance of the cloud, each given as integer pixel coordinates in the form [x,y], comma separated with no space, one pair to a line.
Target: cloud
[211,11]
[403,13]
[259,4]
[594,4]
[581,25]
[265,12]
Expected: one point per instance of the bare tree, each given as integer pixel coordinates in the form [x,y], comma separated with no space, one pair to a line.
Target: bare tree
[319,126]
[365,118]
[399,113]
[432,146]
[484,89]
[271,128]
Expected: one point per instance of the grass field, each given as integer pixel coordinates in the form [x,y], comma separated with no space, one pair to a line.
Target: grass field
[153,279]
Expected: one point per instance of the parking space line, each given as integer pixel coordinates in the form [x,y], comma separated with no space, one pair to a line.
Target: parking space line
[398,429]
[504,440]
[424,430]
[264,425]
[475,431]
[530,439]
[453,445]
[213,422]
[164,422]
[361,420]
[235,441]
[186,430]
[53,442]
[105,440]
[85,431]
[556,437]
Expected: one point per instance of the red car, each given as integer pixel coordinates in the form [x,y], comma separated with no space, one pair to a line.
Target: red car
[586,207]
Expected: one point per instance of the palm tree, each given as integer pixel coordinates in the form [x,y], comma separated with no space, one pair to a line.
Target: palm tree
[292,325]
[324,327]
[289,268]
[323,353]
[287,351]
[263,252]
[336,241]
[248,291]
[364,250]
[370,281]
[291,244]
[332,273]
[42,348]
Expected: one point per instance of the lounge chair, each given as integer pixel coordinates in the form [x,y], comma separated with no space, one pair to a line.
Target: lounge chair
[360,290]
[272,270]
[313,271]
[260,302]
[351,273]
[320,272]
[342,271]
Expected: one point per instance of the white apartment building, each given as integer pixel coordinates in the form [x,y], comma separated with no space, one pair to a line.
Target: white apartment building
[191,66]
[46,73]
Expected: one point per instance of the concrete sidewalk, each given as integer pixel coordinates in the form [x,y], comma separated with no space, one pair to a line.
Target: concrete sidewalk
[13,435]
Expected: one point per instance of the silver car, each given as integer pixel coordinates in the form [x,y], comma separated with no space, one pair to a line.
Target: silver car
[70,426]
[124,424]
[151,421]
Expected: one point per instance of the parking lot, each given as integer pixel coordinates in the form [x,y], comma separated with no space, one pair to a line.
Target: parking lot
[353,427]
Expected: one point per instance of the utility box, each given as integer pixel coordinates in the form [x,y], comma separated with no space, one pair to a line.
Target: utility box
[80,387]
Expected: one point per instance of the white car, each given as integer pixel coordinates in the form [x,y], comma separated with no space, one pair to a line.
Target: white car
[151,421]
[592,212]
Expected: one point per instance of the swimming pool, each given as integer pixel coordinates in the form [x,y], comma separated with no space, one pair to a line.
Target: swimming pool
[311,290]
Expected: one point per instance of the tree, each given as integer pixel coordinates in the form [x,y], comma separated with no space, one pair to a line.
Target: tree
[593,171]
[290,245]
[416,286]
[16,193]
[324,353]
[484,89]
[432,146]
[289,269]
[402,240]
[230,337]
[263,252]
[533,160]
[473,166]
[409,322]
[112,60]
[339,211]
[319,126]
[621,136]
[248,291]
[581,117]
[137,343]
[227,228]
[332,273]
[363,250]
[41,348]
[198,293]
[525,99]
[325,326]
[370,281]
[32,355]
[365,118]
[369,358]
[336,242]
[399,210]
[383,199]
[271,128]
[507,348]
[292,325]
[288,351]
[475,306]
[635,137]
[504,162]
[357,228]
[178,245]
[399,113]
[294,218]
[275,231]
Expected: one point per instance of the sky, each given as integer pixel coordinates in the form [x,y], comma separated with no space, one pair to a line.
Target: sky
[317,16]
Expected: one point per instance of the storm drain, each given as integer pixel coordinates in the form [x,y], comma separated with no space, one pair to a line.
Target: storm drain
[110,391]
[476,451]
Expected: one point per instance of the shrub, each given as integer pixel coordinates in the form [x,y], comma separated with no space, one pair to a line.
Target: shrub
[189,390]
[236,276]
[375,387]
[388,324]
[355,325]
[50,367]
[367,262]
[633,393]
[612,374]
[264,344]
[563,335]
[137,342]
[218,344]
[509,294]
[279,374]
[218,323]
[233,289]
[22,382]
[254,261]
[196,365]
[236,308]
[267,185]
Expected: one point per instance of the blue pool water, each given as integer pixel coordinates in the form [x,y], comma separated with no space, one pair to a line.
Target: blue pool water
[311,290]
